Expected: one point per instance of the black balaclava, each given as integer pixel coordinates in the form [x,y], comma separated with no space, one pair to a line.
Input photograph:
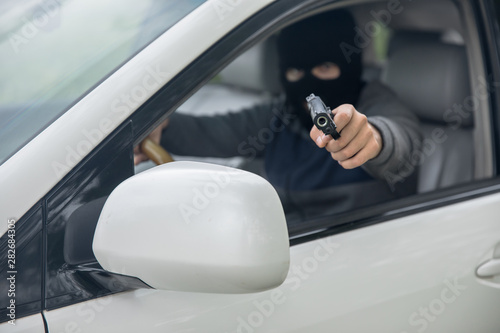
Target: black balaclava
[311,42]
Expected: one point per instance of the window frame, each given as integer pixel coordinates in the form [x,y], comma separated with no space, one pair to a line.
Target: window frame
[488,14]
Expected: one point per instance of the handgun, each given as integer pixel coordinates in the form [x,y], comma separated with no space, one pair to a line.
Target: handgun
[322,116]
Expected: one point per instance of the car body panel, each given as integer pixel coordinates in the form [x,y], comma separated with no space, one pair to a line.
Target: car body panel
[380,276]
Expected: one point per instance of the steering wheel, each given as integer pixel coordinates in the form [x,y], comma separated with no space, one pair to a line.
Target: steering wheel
[155,152]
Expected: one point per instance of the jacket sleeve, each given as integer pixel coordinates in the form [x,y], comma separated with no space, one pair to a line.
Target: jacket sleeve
[398,126]
[223,135]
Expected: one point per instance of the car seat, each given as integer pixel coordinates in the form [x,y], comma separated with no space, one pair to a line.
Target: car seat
[250,79]
[431,78]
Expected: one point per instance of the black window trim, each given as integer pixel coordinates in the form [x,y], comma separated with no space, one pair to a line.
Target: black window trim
[489,29]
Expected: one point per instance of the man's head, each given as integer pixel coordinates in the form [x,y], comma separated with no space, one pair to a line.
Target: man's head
[312,61]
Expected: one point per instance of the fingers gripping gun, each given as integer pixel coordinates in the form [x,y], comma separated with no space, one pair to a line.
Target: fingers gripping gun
[322,116]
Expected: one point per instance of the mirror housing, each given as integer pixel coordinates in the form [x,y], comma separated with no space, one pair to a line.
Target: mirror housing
[195,227]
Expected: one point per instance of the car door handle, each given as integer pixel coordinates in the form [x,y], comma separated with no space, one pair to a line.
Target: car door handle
[489,269]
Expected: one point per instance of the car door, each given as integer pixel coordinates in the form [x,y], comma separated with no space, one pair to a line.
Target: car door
[414,272]
[406,266]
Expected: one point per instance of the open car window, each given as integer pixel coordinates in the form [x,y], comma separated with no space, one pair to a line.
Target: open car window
[392,55]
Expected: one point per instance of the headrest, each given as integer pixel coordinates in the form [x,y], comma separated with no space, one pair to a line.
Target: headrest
[256,69]
[429,76]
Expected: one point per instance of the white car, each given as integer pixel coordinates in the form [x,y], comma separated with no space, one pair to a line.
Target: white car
[201,247]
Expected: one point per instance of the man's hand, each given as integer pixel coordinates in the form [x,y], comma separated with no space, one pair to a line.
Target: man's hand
[359,141]
[155,135]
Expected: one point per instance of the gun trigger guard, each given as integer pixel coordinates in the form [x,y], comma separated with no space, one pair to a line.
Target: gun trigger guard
[335,135]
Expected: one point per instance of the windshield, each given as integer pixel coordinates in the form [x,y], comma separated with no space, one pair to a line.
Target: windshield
[53,51]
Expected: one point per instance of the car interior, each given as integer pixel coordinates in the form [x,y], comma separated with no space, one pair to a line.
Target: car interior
[421,53]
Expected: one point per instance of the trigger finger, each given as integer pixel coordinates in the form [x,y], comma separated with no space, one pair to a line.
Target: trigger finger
[319,137]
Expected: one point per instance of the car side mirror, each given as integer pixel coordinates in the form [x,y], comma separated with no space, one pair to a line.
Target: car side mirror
[196,227]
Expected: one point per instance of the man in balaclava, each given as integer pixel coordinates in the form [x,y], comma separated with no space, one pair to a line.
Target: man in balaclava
[377,131]
[311,60]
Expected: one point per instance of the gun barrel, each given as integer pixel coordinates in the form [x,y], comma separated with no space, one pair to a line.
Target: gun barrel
[322,121]
[322,116]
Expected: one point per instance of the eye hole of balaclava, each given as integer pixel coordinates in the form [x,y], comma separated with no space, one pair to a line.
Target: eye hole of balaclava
[312,61]
[325,71]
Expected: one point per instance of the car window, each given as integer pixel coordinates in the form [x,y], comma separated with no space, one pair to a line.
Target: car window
[445,158]
[53,51]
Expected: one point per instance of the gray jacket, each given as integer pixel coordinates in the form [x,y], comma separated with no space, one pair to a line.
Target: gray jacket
[246,133]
